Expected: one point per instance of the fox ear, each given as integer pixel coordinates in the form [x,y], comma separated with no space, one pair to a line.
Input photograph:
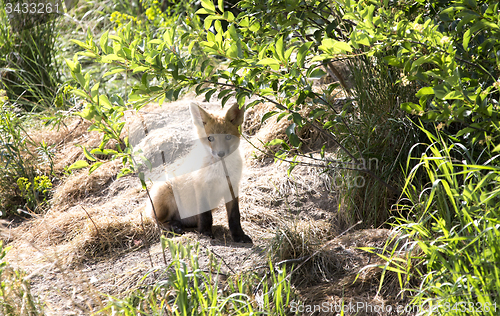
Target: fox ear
[235,115]
[199,116]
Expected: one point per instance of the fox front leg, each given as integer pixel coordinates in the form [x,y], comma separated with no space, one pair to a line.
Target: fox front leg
[205,221]
[233,217]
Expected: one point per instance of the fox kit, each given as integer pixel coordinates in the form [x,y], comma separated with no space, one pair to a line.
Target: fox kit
[188,200]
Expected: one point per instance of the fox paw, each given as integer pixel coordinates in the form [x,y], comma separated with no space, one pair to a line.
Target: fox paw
[173,231]
[175,228]
[208,233]
[242,238]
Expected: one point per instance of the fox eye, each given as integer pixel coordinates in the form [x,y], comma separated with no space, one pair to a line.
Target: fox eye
[228,137]
[210,138]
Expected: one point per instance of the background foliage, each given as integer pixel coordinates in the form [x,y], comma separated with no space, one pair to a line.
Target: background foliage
[419,96]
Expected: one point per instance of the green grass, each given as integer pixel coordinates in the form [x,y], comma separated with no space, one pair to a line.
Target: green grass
[29,67]
[452,225]
[186,288]
[379,134]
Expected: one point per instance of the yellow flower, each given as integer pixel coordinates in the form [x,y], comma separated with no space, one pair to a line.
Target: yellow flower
[497,84]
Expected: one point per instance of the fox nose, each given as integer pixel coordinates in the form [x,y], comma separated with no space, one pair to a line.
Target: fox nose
[221,154]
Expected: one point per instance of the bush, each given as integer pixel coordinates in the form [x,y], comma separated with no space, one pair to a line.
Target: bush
[378,133]
[449,216]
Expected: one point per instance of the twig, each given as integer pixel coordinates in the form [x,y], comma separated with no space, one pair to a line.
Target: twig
[146,243]
[97,229]
[157,222]
[333,72]
[291,260]
[307,258]
[221,258]
[227,178]
[70,132]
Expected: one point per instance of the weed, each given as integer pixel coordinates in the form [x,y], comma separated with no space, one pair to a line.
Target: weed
[36,192]
[186,288]
[15,293]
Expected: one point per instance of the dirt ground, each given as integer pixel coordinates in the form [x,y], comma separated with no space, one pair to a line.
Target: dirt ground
[94,241]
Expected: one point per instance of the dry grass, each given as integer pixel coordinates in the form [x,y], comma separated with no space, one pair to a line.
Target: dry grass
[80,185]
[63,142]
[85,220]
[83,233]
[357,279]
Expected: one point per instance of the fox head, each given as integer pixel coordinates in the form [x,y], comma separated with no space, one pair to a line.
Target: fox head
[219,134]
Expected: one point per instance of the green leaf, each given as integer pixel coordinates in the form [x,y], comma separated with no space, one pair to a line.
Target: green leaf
[124,172]
[228,15]
[268,115]
[410,107]
[80,78]
[97,151]
[104,101]
[87,113]
[103,42]
[223,93]
[208,5]
[79,93]
[466,40]
[302,53]
[94,90]
[112,57]
[280,49]
[391,60]
[203,11]
[271,62]
[294,140]
[78,165]
[424,91]
[317,73]
[221,5]
[95,166]
[87,81]
[454,95]
[139,69]
[87,154]
[71,64]
[79,43]
[209,93]
[334,47]
[278,142]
